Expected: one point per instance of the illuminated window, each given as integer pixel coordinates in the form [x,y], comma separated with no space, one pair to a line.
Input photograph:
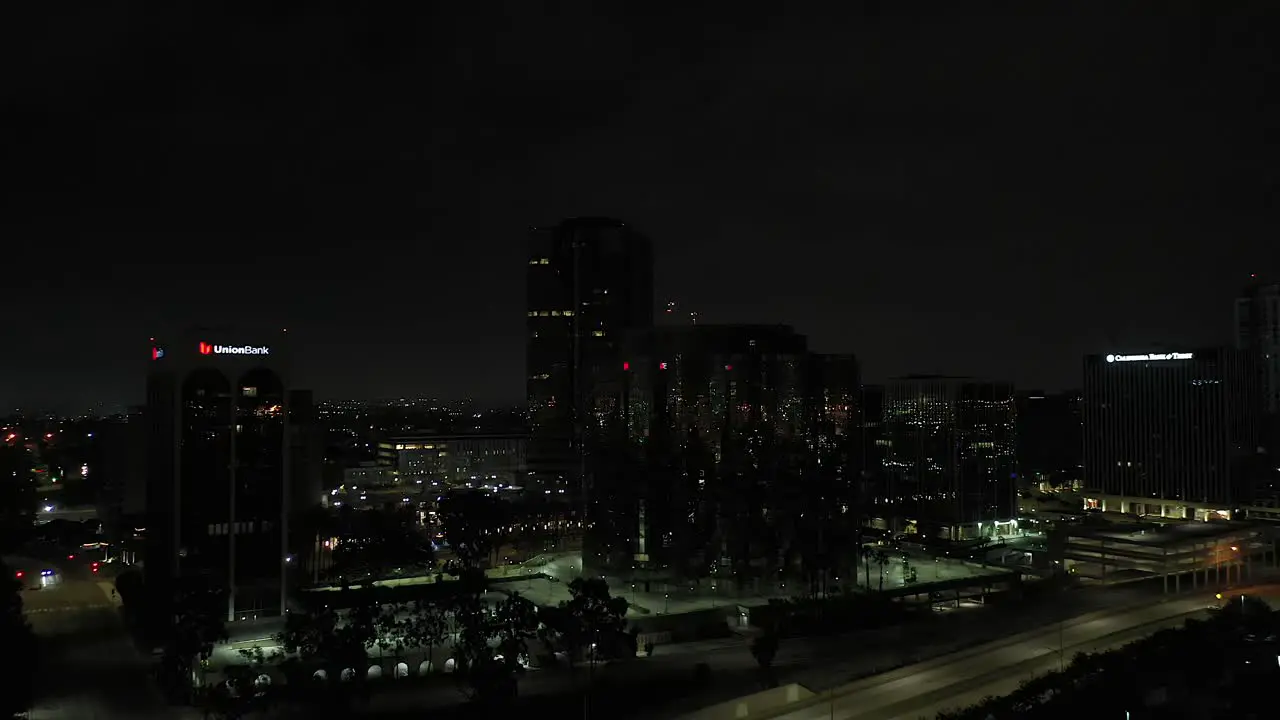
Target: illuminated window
[249,391]
[568,313]
[544,261]
[597,333]
[533,313]
[555,313]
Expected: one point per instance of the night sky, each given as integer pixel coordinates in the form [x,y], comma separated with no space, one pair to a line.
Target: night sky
[944,191]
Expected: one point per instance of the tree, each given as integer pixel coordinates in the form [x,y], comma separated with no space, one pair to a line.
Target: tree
[474,525]
[595,620]
[197,627]
[490,640]
[17,638]
[427,626]
[17,516]
[514,624]
[868,553]
[17,496]
[243,691]
[764,648]
[333,641]
[377,544]
[882,559]
[490,645]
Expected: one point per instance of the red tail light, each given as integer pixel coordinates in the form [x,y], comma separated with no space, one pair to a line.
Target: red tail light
[19,574]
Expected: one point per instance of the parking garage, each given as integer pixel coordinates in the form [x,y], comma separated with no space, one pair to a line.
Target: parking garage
[1195,554]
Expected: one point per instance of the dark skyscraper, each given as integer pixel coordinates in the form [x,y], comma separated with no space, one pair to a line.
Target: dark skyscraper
[949,461]
[1171,433]
[715,380]
[835,394]
[1258,332]
[1050,445]
[590,282]
[230,458]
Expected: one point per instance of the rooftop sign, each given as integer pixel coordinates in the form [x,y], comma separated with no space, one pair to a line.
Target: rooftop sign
[1149,356]
[210,349]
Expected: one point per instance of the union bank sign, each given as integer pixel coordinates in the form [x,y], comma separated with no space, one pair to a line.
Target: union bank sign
[212,349]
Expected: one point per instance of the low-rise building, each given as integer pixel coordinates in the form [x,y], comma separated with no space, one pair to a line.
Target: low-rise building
[494,461]
[1196,554]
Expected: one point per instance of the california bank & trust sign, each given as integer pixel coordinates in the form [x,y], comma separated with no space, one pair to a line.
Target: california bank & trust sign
[1149,357]
[211,349]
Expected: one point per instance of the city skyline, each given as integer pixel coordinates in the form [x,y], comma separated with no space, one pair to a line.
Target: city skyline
[786,175]
[488,359]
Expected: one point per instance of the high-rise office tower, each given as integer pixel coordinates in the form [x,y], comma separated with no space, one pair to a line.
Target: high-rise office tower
[872,445]
[714,380]
[835,393]
[590,282]
[231,457]
[1258,332]
[1171,433]
[949,457]
[1050,445]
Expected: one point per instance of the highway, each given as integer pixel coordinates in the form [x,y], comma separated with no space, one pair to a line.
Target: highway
[661,687]
[89,666]
[921,690]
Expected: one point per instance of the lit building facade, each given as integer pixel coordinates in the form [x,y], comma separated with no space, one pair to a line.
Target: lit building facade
[369,475]
[590,282]
[949,462]
[232,455]
[457,461]
[1172,434]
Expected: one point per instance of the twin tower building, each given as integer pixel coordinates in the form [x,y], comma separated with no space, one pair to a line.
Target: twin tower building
[233,460]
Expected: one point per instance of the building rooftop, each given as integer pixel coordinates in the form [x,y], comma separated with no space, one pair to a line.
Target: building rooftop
[1161,534]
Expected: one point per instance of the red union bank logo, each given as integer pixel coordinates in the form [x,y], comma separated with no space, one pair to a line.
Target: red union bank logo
[210,349]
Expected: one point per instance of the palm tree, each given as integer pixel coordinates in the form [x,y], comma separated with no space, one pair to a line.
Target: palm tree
[882,559]
[868,553]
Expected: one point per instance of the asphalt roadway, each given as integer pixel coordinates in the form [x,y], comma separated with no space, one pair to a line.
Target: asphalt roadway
[90,668]
[959,679]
